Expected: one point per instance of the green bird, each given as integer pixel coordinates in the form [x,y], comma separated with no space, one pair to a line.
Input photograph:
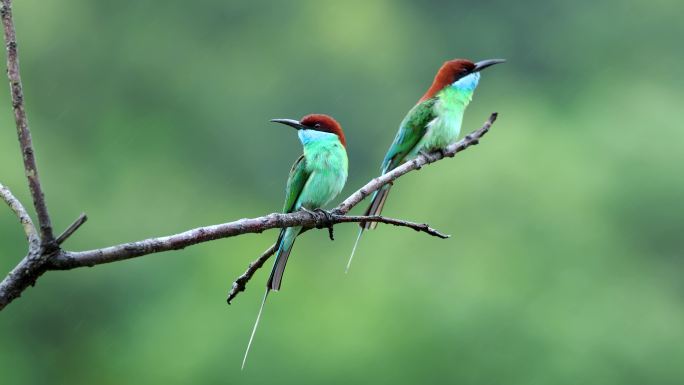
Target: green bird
[315,179]
[432,124]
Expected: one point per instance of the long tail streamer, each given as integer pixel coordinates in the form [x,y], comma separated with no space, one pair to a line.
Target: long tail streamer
[358,238]
[251,338]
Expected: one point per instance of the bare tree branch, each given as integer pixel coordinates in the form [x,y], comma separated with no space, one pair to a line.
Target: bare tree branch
[23,128]
[240,283]
[70,260]
[32,265]
[72,228]
[25,219]
[415,164]
[45,254]
[25,274]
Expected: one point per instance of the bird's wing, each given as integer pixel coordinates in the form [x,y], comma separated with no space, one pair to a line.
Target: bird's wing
[295,183]
[411,130]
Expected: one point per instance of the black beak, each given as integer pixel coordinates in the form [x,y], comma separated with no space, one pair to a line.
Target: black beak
[291,123]
[479,66]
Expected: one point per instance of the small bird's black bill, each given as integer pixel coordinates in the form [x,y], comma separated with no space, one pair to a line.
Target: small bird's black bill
[479,66]
[291,123]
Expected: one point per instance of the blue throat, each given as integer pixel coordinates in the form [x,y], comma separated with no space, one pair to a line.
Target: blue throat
[467,83]
[308,136]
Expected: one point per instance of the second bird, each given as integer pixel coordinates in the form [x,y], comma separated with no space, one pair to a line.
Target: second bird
[432,124]
[315,179]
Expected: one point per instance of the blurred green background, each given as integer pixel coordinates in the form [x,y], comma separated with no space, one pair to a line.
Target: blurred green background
[565,265]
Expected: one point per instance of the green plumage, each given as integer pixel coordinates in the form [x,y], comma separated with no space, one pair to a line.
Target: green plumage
[411,129]
[295,183]
[430,125]
[315,179]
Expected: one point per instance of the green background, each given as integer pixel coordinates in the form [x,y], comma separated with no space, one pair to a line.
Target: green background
[565,263]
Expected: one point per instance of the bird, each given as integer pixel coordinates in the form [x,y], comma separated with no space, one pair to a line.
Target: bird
[316,178]
[431,125]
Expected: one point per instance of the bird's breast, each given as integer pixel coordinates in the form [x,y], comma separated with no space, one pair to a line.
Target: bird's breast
[443,130]
[328,174]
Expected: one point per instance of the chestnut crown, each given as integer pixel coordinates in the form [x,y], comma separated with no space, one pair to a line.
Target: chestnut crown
[324,123]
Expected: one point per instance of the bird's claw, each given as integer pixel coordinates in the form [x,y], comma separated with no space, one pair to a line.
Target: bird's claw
[328,222]
[323,219]
[310,212]
[430,154]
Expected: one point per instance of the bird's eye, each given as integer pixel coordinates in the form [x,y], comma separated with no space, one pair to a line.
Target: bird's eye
[317,125]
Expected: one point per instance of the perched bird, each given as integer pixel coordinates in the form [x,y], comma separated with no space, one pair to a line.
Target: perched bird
[432,124]
[316,178]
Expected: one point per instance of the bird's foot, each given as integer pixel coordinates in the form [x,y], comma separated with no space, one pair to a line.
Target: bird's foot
[431,154]
[323,219]
[325,214]
[425,154]
[311,213]
[328,222]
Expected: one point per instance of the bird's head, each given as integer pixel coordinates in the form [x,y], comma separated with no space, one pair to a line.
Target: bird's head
[315,126]
[461,73]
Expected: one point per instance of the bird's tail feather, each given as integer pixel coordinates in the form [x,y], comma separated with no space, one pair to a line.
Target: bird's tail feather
[256,323]
[285,242]
[375,208]
[287,239]
[358,238]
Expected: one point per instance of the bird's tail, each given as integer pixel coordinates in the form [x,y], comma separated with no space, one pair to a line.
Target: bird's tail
[285,243]
[256,323]
[358,238]
[375,208]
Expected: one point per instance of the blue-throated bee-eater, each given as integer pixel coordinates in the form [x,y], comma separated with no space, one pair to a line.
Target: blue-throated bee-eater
[432,124]
[315,179]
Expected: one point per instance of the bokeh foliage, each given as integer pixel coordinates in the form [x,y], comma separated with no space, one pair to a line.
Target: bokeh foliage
[565,264]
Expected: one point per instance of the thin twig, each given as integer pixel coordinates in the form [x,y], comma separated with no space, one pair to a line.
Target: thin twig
[23,131]
[420,227]
[25,219]
[72,228]
[240,283]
